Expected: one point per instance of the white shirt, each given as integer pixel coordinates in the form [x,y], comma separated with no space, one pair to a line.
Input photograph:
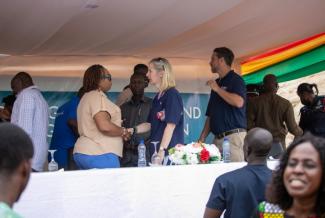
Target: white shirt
[30,112]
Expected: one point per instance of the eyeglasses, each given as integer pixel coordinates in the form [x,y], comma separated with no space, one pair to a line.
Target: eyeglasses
[107,76]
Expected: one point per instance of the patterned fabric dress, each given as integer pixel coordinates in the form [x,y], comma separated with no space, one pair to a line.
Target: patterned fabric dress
[268,210]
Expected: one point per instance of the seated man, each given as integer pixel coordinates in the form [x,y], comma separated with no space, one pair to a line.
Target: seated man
[16,153]
[239,192]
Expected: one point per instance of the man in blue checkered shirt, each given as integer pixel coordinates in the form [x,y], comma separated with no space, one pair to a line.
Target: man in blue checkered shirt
[30,112]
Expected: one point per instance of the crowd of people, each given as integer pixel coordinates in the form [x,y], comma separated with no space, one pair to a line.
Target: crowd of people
[92,131]
[92,127]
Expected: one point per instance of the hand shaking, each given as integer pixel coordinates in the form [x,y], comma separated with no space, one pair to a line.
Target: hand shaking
[126,136]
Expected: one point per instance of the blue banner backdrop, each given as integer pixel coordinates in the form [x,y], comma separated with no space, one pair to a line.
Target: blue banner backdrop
[194,110]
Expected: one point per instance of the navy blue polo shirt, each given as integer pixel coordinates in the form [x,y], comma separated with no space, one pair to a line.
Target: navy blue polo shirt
[240,191]
[223,116]
[167,109]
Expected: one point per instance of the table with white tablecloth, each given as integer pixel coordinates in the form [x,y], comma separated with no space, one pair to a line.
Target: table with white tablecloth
[173,191]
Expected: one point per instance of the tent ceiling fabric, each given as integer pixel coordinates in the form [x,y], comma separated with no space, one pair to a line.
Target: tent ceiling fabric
[68,35]
[115,27]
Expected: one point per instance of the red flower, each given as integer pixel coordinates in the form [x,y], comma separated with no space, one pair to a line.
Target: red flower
[204,156]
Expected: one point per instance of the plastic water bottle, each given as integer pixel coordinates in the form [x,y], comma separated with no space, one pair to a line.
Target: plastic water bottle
[226,150]
[142,154]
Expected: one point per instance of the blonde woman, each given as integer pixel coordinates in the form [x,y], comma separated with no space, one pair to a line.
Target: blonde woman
[165,119]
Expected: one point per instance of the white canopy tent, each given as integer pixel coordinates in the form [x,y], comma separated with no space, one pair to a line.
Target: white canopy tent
[62,38]
[55,41]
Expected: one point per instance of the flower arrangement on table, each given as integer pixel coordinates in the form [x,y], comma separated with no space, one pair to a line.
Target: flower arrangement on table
[194,153]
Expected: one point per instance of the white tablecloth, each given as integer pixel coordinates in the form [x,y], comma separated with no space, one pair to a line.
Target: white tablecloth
[174,191]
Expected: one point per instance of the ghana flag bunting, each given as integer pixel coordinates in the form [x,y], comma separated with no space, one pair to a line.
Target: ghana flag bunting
[288,62]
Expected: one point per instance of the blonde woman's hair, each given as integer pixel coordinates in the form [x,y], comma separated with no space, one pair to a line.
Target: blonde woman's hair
[168,79]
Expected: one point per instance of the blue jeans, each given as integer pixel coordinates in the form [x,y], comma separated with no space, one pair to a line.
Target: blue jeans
[85,162]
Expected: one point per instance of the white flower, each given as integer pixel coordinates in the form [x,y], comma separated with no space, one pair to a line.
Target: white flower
[177,157]
[189,148]
[179,154]
[192,158]
[179,147]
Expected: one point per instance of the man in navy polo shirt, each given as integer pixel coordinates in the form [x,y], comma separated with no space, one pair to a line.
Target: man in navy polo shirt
[226,112]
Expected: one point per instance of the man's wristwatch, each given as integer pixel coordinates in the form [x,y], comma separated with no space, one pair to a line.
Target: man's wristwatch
[135,130]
